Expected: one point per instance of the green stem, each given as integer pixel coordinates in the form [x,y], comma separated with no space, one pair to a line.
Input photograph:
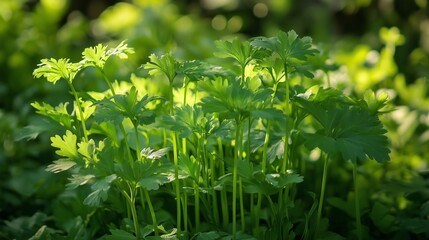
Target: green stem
[152,212]
[237,157]
[131,199]
[185,208]
[197,207]
[286,140]
[240,185]
[357,207]
[322,193]
[106,79]
[79,107]
[177,183]
[214,195]
[264,159]
[328,78]
[136,135]
[223,195]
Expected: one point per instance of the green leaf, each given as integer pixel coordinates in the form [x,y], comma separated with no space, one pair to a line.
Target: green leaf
[60,165]
[95,55]
[381,218]
[240,51]
[281,180]
[123,106]
[118,234]
[188,167]
[415,225]
[197,70]
[188,120]
[153,182]
[59,114]
[166,64]
[54,70]
[347,130]
[100,189]
[231,98]
[66,145]
[77,180]
[98,55]
[288,46]
[152,154]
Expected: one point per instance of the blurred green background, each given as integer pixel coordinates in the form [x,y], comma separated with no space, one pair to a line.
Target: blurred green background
[380,44]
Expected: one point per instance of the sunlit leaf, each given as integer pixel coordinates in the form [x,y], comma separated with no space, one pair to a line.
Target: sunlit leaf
[166,64]
[66,145]
[60,165]
[53,70]
[347,130]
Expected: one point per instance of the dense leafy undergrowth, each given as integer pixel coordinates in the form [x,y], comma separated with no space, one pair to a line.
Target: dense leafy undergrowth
[246,145]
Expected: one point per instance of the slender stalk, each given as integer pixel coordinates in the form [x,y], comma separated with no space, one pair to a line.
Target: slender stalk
[243,223]
[106,79]
[357,207]
[136,135]
[196,188]
[197,206]
[79,107]
[185,208]
[287,111]
[142,199]
[131,199]
[285,163]
[264,159]
[223,195]
[177,183]
[152,212]
[237,157]
[328,79]
[322,193]
[214,195]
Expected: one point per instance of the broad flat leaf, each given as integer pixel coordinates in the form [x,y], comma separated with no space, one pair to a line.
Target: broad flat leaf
[153,182]
[60,165]
[347,130]
[100,189]
[269,113]
[98,55]
[188,120]
[37,126]
[77,180]
[415,225]
[118,234]
[107,129]
[152,154]
[66,145]
[58,113]
[287,45]
[197,70]
[89,150]
[188,167]
[166,64]
[240,51]
[381,218]
[125,105]
[231,98]
[212,235]
[281,180]
[95,55]
[54,70]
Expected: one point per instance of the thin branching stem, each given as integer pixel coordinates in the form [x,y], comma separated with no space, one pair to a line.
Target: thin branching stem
[322,191]
[80,110]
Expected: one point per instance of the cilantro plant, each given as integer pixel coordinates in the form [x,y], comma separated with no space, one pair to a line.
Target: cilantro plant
[230,154]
